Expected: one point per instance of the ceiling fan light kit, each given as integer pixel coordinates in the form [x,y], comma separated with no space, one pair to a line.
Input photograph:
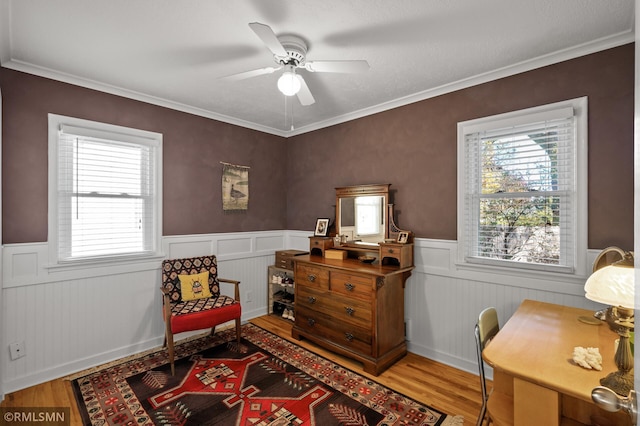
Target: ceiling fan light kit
[288,83]
[290,52]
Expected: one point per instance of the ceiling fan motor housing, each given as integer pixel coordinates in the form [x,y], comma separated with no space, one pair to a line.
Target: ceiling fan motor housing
[296,50]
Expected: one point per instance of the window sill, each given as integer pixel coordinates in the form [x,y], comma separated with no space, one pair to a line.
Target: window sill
[127,263]
[515,275]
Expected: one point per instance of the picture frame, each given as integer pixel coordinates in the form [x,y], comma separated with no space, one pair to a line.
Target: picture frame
[322,227]
[403,237]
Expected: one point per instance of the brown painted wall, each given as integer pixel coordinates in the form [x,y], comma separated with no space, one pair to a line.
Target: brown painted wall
[193,148]
[414,149]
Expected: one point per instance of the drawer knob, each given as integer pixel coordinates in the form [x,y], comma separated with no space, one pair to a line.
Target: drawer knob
[350,310]
[311,321]
[311,277]
[348,336]
[349,286]
[390,250]
[312,299]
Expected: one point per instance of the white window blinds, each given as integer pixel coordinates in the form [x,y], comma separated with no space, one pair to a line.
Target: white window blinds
[107,194]
[520,190]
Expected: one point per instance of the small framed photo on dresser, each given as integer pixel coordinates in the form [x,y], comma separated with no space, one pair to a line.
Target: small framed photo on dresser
[403,237]
[322,228]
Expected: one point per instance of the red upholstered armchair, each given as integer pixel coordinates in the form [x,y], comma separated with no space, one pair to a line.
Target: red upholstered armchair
[192,299]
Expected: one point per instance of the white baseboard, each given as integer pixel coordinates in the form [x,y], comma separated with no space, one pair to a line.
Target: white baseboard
[77,365]
[444,358]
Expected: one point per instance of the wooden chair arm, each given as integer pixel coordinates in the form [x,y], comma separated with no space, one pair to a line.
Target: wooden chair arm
[166,306]
[236,285]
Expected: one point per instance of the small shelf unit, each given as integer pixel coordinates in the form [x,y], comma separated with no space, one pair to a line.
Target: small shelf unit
[281,292]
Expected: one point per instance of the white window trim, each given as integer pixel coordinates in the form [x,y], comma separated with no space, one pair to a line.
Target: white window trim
[56,122]
[581,255]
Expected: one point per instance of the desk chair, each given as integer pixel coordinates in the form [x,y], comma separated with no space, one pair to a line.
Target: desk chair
[497,407]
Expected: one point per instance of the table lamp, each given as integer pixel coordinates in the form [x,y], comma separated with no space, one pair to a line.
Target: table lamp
[613,285]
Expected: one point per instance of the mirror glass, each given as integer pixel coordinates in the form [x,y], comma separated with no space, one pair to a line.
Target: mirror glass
[362,218]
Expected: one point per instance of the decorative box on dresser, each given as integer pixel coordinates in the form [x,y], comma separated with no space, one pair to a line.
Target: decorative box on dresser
[352,308]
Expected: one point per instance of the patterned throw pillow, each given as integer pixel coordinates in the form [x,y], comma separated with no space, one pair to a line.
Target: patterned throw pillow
[195,286]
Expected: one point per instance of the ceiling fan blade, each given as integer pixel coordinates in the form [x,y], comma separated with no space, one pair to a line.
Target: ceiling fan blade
[304,94]
[269,38]
[356,66]
[249,74]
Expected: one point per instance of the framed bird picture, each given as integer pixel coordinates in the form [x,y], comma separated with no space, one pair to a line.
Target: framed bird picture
[235,187]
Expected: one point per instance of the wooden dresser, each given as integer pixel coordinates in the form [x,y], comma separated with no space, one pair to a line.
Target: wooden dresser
[352,308]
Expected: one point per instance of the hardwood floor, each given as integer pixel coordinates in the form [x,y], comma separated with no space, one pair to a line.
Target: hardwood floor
[442,387]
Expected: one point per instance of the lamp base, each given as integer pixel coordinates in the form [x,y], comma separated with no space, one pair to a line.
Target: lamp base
[619,382]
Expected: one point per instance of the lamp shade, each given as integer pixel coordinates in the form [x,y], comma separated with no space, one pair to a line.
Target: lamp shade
[288,83]
[612,285]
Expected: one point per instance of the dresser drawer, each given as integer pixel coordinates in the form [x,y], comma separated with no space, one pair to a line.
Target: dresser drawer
[341,333]
[389,251]
[318,245]
[285,258]
[342,309]
[396,254]
[284,262]
[353,285]
[311,276]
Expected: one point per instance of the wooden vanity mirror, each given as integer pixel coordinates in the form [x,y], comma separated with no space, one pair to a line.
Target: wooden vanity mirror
[362,213]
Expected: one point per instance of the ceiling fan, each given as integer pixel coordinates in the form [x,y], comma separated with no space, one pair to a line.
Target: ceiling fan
[290,54]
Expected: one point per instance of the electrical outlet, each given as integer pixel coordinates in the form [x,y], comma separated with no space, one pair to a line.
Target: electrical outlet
[249,295]
[408,330]
[16,350]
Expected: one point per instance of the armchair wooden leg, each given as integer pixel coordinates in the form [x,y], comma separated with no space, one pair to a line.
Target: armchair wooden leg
[238,331]
[168,337]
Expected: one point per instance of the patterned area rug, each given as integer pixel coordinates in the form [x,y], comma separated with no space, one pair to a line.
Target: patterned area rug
[267,381]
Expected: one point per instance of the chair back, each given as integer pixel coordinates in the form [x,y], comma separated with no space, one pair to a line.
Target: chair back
[486,328]
[171,268]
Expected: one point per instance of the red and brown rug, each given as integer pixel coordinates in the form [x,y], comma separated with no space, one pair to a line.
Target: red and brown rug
[268,381]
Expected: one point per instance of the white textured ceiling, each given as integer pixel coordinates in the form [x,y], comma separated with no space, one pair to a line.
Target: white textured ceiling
[172,53]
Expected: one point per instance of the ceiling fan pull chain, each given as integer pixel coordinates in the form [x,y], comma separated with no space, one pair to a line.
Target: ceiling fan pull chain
[285,112]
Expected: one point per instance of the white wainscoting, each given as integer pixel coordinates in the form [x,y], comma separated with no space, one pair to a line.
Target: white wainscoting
[442,301]
[75,319]
[70,320]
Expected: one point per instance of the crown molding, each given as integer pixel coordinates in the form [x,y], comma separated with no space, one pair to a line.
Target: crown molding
[539,62]
[549,59]
[131,94]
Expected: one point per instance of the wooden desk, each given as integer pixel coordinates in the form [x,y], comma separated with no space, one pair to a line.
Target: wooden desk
[532,360]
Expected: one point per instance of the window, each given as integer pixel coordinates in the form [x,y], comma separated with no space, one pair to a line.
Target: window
[105,189]
[522,188]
